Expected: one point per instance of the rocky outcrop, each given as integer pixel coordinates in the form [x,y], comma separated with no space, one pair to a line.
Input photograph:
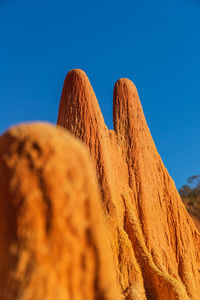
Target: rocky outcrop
[53,242]
[155,243]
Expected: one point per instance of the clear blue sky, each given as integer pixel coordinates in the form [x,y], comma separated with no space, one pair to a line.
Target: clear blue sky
[154,43]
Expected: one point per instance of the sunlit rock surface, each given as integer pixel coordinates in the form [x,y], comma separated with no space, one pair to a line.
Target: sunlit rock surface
[155,243]
[53,242]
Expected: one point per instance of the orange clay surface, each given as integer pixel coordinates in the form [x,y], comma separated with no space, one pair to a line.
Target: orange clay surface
[53,241]
[155,244]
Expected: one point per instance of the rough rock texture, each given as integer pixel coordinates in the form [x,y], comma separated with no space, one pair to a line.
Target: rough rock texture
[196,221]
[52,240]
[155,243]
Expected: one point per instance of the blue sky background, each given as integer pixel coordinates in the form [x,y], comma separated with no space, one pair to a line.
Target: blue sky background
[154,43]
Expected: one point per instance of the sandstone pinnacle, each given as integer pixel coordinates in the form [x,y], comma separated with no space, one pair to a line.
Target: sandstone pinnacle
[154,241]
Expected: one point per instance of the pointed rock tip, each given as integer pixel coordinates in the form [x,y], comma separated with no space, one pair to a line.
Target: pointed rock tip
[125,92]
[76,76]
[126,104]
[78,103]
[77,72]
[124,84]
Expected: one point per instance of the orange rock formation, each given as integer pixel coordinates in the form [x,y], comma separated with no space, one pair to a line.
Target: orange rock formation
[52,240]
[155,243]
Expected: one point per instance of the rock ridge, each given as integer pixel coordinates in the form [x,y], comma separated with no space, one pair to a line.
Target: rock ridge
[154,242]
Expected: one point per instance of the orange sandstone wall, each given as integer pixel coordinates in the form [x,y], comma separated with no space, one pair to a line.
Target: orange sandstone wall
[53,241]
[155,243]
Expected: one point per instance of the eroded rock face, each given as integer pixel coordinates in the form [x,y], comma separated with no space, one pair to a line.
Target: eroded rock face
[155,243]
[52,238]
